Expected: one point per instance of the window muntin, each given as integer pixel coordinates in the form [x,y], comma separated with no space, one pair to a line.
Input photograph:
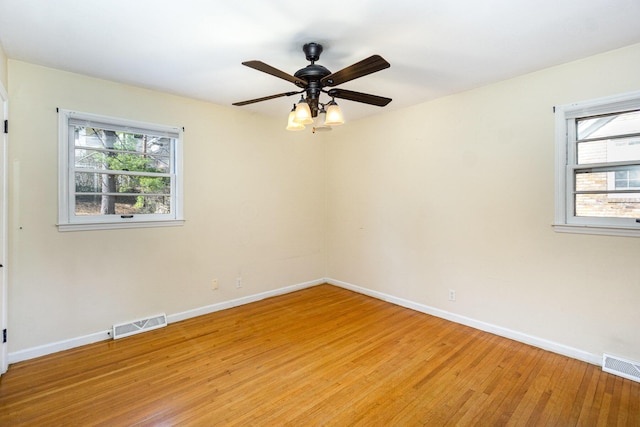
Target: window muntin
[118,172]
[598,165]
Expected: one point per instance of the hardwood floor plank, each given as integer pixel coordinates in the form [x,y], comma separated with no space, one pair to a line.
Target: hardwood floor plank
[321,356]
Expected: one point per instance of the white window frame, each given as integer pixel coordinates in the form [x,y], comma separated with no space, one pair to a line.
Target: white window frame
[68,221]
[566,164]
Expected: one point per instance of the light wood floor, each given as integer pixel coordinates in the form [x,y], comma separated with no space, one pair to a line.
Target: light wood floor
[320,356]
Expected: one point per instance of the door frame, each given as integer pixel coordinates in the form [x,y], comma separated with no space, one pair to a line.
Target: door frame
[4,303]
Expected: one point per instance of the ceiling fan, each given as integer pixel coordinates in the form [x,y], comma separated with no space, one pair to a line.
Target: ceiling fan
[314,78]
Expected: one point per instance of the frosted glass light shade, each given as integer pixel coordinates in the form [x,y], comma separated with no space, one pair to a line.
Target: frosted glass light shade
[303,113]
[320,125]
[334,115]
[292,124]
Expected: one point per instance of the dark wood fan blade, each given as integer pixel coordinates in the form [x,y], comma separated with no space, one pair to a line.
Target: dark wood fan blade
[365,98]
[366,66]
[266,98]
[265,68]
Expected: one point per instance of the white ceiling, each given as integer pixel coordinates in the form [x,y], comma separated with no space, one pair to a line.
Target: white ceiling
[195,47]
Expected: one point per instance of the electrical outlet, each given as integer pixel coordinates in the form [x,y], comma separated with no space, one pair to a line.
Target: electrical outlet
[214,285]
[452,295]
[238,282]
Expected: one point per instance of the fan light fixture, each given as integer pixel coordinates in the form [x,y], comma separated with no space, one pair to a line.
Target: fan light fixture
[300,115]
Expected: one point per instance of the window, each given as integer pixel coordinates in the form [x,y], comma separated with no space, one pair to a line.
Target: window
[598,166]
[628,179]
[116,173]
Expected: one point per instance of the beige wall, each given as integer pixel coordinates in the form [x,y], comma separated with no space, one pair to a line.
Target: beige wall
[254,206]
[458,194]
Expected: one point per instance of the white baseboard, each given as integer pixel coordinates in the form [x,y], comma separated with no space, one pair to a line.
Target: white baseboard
[562,349]
[241,301]
[43,350]
[483,326]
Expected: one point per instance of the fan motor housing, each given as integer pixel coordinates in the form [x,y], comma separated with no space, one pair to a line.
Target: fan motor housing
[312,72]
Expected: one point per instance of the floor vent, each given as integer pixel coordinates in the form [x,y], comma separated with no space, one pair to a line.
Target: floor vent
[137,326]
[621,367]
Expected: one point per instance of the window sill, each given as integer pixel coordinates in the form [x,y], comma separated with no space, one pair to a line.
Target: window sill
[597,229]
[118,225]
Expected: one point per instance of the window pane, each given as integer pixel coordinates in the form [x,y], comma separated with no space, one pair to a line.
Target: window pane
[88,182]
[608,205]
[609,150]
[107,160]
[608,126]
[105,149]
[620,179]
[595,181]
[122,205]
